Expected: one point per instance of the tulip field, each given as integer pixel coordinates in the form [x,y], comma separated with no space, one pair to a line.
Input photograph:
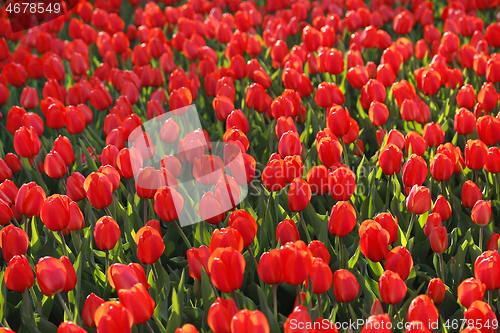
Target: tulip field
[232,166]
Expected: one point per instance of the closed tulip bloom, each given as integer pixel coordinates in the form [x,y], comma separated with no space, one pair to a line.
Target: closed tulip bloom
[345,286]
[439,239]
[488,96]
[29,98]
[433,221]
[338,120]
[342,183]
[378,324]
[399,260]
[492,244]
[296,260]
[391,287]
[99,190]
[112,316]
[488,129]
[298,315]
[342,219]
[390,159]
[441,167]
[89,308]
[198,258]
[470,194]
[75,190]
[409,110]
[493,160]
[210,209]
[289,144]
[6,212]
[51,275]
[374,240]
[187,328]
[419,200]
[270,267]
[416,142]
[70,327]
[29,199]
[13,241]
[106,233]
[465,122]
[433,134]
[319,250]
[168,203]
[75,120]
[63,147]
[70,274]
[469,291]
[436,290]
[329,151]
[273,176]
[138,301]
[54,165]
[226,267]
[129,162]
[122,276]
[245,224]
[487,269]
[26,142]
[5,171]
[19,274]
[422,309]
[389,223]
[466,97]
[13,163]
[220,314]
[55,212]
[481,212]
[321,277]
[287,231]
[226,237]
[378,113]
[249,321]
[431,82]
[294,167]
[299,195]
[478,313]
[317,177]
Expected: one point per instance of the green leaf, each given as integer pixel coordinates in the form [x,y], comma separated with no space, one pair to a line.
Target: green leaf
[354,259]
[273,324]
[174,320]
[90,161]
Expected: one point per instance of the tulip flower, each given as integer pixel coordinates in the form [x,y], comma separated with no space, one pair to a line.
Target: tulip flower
[198,258]
[287,231]
[221,262]
[55,212]
[389,223]
[319,250]
[51,275]
[249,321]
[168,203]
[442,207]
[436,290]
[296,261]
[469,291]
[113,316]
[464,122]
[487,268]
[220,315]
[345,286]
[106,233]
[91,304]
[122,276]
[342,183]
[26,142]
[419,200]
[342,219]
[422,309]
[226,237]
[298,315]
[245,224]
[480,312]
[439,239]
[470,194]
[13,241]
[374,240]
[19,274]
[378,323]
[70,327]
[138,302]
[390,159]
[321,277]
[99,190]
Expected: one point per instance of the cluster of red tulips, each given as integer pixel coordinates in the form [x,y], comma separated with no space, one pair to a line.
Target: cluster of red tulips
[356,191]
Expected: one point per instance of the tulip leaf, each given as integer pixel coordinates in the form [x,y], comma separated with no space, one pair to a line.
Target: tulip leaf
[264,307]
[3,295]
[46,326]
[354,259]
[174,320]
[207,292]
[376,267]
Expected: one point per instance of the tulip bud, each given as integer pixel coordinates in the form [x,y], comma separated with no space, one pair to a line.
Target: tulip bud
[469,291]
[436,290]
[345,286]
[91,304]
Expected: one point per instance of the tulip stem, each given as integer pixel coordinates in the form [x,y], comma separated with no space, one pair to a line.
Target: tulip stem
[341,252]
[308,237]
[275,301]
[90,145]
[441,266]
[14,222]
[410,226]
[233,294]
[253,257]
[39,174]
[387,206]
[183,236]
[490,297]
[108,212]
[33,296]
[481,238]
[63,242]
[346,158]
[497,185]
[395,309]
[145,211]
[320,307]
[65,307]
[106,262]
[150,330]
[297,287]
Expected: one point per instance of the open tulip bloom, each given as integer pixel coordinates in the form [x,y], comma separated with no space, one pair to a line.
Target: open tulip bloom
[250,166]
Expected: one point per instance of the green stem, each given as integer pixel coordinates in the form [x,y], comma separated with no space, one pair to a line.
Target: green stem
[159,324]
[303,222]
[441,266]
[275,301]
[150,330]
[320,308]
[90,146]
[387,206]
[108,212]
[395,308]
[297,288]
[33,296]
[65,307]
[346,157]
[183,236]
[410,226]
[233,294]
[341,252]
[481,238]
[490,297]
[63,243]
[145,211]
[107,266]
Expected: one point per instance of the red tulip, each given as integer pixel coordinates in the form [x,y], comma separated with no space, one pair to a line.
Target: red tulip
[436,290]
[29,199]
[138,302]
[226,267]
[488,129]
[249,321]
[378,323]
[469,291]
[422,309]
[487,268]
[54,165]
[287,231]
[389,223]
[342,183]
[342,219]
[390,159]
[465,122]
[319,250]
[245,224]
[439,239]
[55,212]
[51,275]
[419,200]
[296,260]
[391,287]
[441,167]
[19,274]
[112,316]
[480,313]
[299,195]
[481,212]
[399,260]
[99,190]
[321,276]
[26,142]
[106,233]
[122,276]
[220,315]
[374,240]
[270,267]
[91,304]
[345,286]
[470,194]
